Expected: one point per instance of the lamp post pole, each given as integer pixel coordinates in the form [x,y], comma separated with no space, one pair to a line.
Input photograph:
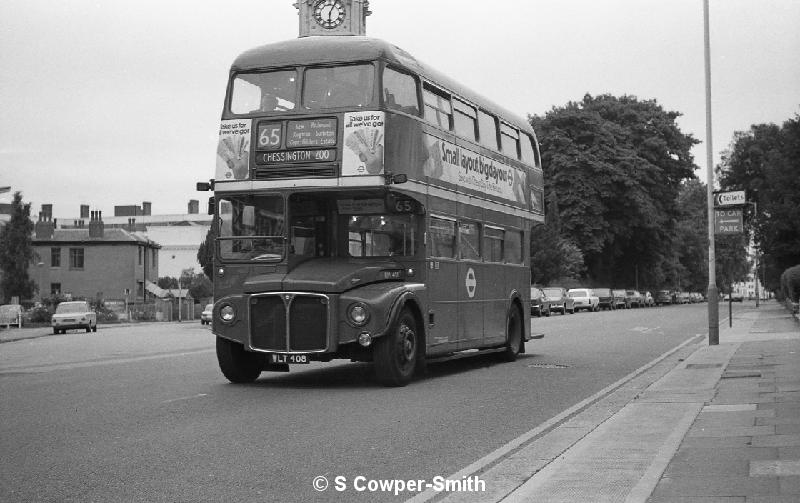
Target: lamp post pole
[713,293]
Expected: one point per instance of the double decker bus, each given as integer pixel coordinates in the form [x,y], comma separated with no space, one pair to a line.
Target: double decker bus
[368,208]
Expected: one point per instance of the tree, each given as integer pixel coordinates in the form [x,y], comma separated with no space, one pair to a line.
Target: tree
[16,252]
[765,163]
[199,285]
[615,165]
[689,269]
[167,282]
[205,255]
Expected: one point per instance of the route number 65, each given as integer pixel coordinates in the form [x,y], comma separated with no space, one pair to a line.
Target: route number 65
[269,136]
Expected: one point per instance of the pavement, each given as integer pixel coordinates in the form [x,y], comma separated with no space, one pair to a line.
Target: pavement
[700,424]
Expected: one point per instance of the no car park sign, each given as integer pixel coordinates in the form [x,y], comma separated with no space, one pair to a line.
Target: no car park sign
[729,198]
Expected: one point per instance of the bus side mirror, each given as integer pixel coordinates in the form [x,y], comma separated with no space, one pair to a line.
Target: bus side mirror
[205,186]
[211,204]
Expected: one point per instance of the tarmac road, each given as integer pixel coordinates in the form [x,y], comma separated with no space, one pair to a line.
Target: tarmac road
[141,413]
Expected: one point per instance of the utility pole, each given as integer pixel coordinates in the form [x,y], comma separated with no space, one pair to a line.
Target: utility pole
[713,293]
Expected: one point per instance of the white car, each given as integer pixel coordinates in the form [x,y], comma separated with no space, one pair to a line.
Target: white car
[74,314]
[584,299]
[205,316]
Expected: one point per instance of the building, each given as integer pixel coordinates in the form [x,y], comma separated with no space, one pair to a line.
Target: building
[178,235]
[92,262]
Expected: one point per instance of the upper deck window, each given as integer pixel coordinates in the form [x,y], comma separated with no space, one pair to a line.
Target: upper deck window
[509,141]
[338,86]
[464,120]
[400,91]
[528,150]
[264,92]
[438,110]
[487,127]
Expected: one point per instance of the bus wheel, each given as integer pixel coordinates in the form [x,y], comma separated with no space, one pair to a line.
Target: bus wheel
[514,327]
[396,353]
[236,364]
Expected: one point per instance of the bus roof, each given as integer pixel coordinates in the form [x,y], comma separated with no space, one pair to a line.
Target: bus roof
[345,49]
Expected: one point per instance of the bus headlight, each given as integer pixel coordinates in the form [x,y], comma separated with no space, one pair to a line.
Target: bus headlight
[358,314]
[227,313]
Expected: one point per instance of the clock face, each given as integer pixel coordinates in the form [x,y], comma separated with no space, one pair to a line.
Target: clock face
[329,13]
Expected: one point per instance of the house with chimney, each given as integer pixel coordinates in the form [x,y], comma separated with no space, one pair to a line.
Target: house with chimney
[178,235]
[90,260]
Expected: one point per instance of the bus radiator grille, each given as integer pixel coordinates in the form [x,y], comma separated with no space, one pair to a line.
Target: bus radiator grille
[275,173]
[307,323]
[268,323]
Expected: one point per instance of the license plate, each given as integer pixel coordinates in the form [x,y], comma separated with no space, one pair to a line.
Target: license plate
[281,358]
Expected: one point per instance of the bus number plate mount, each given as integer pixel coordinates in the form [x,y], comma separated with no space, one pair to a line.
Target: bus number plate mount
[287,358]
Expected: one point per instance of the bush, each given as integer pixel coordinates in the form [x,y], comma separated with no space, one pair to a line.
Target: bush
[790,284]
[40,314]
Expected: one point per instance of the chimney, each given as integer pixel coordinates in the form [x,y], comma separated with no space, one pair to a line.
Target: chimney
[194,207]
[43,229]
[146,208]
[84,211]
[131,225]
[47,210]
[96,225]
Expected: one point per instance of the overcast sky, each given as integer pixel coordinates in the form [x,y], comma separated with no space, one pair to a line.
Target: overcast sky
[109,102]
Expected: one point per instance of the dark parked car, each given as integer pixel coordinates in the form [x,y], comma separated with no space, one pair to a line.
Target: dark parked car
[540,304]
[621,300]
[605,298]
[634,298]
[559,300]
[663,297]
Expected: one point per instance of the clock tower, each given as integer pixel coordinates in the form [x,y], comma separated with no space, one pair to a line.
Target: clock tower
[333,17]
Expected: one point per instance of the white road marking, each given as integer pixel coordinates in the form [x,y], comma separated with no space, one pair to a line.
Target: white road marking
[180,399]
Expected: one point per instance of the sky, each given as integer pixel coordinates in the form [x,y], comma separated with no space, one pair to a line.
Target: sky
[114,103]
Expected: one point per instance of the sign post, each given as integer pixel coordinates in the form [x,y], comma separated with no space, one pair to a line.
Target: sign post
[728,221]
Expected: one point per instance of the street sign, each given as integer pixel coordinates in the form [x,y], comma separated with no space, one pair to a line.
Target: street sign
[733,198]
[728,222]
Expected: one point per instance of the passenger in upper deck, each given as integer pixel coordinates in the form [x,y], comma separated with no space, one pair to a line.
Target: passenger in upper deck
[269,103]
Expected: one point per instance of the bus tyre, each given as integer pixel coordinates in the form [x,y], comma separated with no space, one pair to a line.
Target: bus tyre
[396,353]
[236,364]
[514,327]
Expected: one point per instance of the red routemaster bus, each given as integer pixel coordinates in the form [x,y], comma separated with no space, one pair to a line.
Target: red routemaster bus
[367,208]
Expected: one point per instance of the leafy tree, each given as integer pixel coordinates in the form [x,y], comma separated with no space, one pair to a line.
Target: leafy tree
[167,282]
[732,265]
[615,165]
[199,285]
[689,270]
[765,162]
[16,252]
[553,258]
[205,255]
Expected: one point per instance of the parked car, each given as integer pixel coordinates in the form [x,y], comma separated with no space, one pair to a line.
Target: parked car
[74,314]
[205,316]
[634,298]
[559,300]
[663,297]
[648,300]
[11,314]
[540,304]
[734,297]
[683,298]
[584,298]
[620,299]
[605,299]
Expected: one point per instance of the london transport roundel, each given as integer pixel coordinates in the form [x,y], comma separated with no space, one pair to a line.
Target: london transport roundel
[471,283]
